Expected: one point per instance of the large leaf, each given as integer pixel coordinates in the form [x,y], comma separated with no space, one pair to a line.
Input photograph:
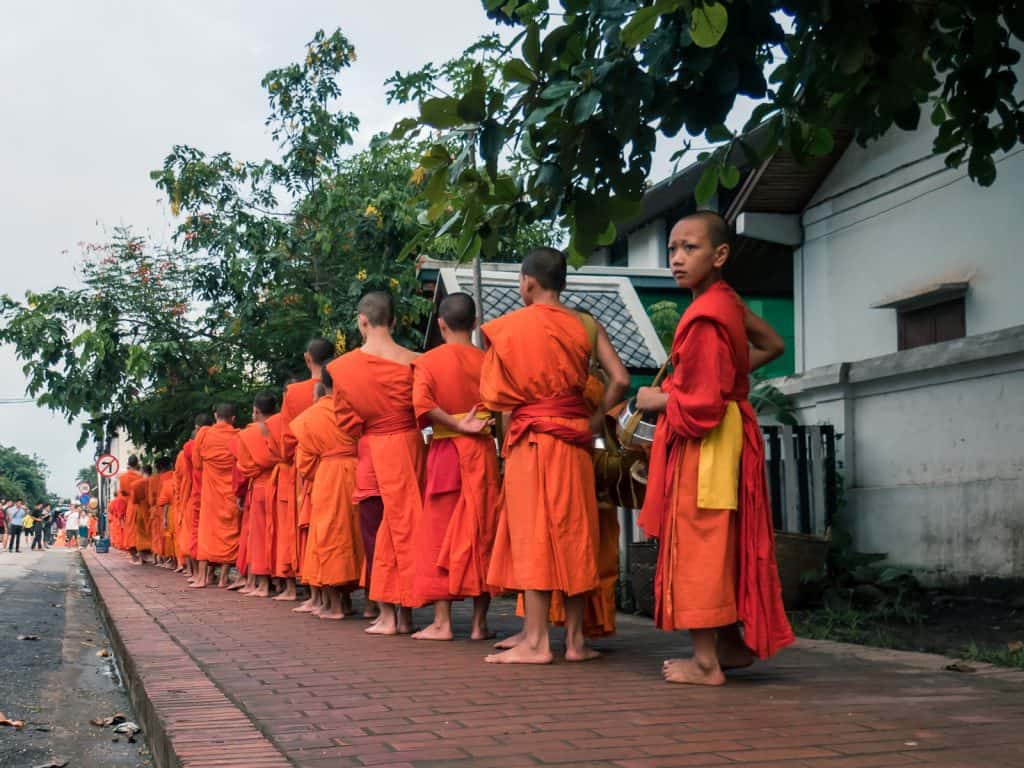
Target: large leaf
[708,24]
[585,105]
[492,139]
[518,71]
[708,183]
[639,26]
[441,113]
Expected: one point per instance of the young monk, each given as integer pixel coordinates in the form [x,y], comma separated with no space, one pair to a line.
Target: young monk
[256,463]
[716,557]
[373,393]
[125,482]
[204,422]
[219,513]
[163,512]
[182,494]
[156,519]
[460,504]
[547,538]
[143,548]
[115,517]
[326,457]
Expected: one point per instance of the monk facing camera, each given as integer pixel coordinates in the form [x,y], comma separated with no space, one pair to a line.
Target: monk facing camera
[716,574]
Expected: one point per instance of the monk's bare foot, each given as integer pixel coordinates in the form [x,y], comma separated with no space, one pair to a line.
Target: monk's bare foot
[240,584]
[196,585]
[732,654]
[689,672]
[260,592]
[306,607]
[481,633]
[521,654]
[510,642]
[434,632]
[583,653]
[287,597]
[336,615]
[381,627]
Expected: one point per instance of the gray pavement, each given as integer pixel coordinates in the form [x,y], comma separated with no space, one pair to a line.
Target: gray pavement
[58,683]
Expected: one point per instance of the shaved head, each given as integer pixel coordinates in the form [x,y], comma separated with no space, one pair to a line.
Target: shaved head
[548,267]
[458,310]
[265,403]
[203,420]
[718,229]
[225,411]
[378,307]
[320,351]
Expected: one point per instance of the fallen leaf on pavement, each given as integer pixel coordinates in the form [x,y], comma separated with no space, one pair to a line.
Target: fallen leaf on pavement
[105,722]
[28,637]
[11,723]
[128,728]
[959,666]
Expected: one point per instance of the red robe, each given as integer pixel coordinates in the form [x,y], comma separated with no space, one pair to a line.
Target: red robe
[326,460]
[292,519]
[219,516]
[714,566]
[548,533]
[256,464]
[182,498]
[460,504]
[374,395]
[156,516]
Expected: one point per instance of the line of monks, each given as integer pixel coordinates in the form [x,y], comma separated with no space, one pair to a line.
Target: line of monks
[337,488]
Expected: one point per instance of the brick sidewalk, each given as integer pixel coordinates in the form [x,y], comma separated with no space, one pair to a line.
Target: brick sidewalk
[230,681]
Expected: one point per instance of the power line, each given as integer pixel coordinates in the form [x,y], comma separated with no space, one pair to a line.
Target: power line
[15,400]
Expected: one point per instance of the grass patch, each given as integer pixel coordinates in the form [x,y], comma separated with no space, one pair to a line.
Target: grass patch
[1010,656]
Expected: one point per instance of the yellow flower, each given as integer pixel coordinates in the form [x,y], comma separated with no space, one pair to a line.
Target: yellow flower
[361,274]
[418,175]
[371,210]
[393,283]
[339,343]
[175,207]
[352,55]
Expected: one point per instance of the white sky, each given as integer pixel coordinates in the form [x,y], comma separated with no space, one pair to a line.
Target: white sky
[97,91]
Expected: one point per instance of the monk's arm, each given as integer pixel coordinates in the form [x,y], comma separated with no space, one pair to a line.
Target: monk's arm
[766,344]
[618,376]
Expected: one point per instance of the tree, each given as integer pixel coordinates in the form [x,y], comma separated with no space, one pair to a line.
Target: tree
[22,476]
[86,474]
[585,92]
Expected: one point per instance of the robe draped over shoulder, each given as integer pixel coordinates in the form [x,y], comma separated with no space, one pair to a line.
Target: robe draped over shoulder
[219,516]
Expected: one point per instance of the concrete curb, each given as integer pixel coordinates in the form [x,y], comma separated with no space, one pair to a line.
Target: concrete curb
[188,722]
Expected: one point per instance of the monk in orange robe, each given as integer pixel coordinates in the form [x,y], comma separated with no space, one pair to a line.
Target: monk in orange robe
[256,463]
[548,533]
[706,497]
[326,458]
[203,422]
[460,504]
[125,483]
[115,516]
[140,504]
[373,393]
[163,510]
[182,493]
[293,500]
[156,518]
[219,511]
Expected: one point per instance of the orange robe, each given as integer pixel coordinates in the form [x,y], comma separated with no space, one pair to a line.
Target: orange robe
[115,520]
[291,520]
[219,516]
[375,395]
[156,516]
[256,463]
[536,368]
[194,501]
[125,483]
[166,498]
[183,494]
[281,534]
[460,503]
[140,507]
[326,459]
[715,565]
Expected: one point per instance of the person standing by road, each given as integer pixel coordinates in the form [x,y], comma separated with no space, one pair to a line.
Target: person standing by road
[37,527]
[71,527]
[48,516]
[16,519]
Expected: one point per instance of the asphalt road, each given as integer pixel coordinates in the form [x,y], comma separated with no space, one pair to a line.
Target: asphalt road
[58,683]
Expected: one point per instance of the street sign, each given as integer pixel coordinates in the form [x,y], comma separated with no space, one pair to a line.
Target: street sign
[84,487]
[107,465]
[83,499]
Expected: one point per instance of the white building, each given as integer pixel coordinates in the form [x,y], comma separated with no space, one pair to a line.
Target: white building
[907,331]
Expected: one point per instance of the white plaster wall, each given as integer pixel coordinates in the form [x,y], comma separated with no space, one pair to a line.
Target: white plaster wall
[867,239]
[647,245]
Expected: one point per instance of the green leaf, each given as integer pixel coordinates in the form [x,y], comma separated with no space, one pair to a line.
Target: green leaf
[585,105]
[821,142]
[708,24]
[609,235]
[708,183]
[518,71]
[639,26]
[718,133]
[531,46]
[471,107]
[441,112]
[558,90]
[435,157]
[404,127]
[539,114]
[730,176]
[492,139]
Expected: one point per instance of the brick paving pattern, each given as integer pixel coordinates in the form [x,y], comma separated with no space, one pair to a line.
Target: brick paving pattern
[245,682]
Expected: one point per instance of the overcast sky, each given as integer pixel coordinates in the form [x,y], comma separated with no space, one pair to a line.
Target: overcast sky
[97,91]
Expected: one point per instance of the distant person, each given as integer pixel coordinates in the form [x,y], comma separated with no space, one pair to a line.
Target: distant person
[16,517]
[37,527]
[84,537]
[28,524]
[48,515]
[3,524]
[71,527]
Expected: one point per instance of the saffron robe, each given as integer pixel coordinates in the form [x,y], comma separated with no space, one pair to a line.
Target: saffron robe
[115,515]
[182,497]
[166,513]
[256,464]
[326,459]
[297,398]
[140,505]
[282,550]
[707,498]
[537,367]
[463,486]
[194,502]
[156,517]
[219,516]
[125,483]
[374,395]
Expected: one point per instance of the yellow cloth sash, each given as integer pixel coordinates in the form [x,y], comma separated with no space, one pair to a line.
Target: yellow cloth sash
[718,478]
[443,433]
